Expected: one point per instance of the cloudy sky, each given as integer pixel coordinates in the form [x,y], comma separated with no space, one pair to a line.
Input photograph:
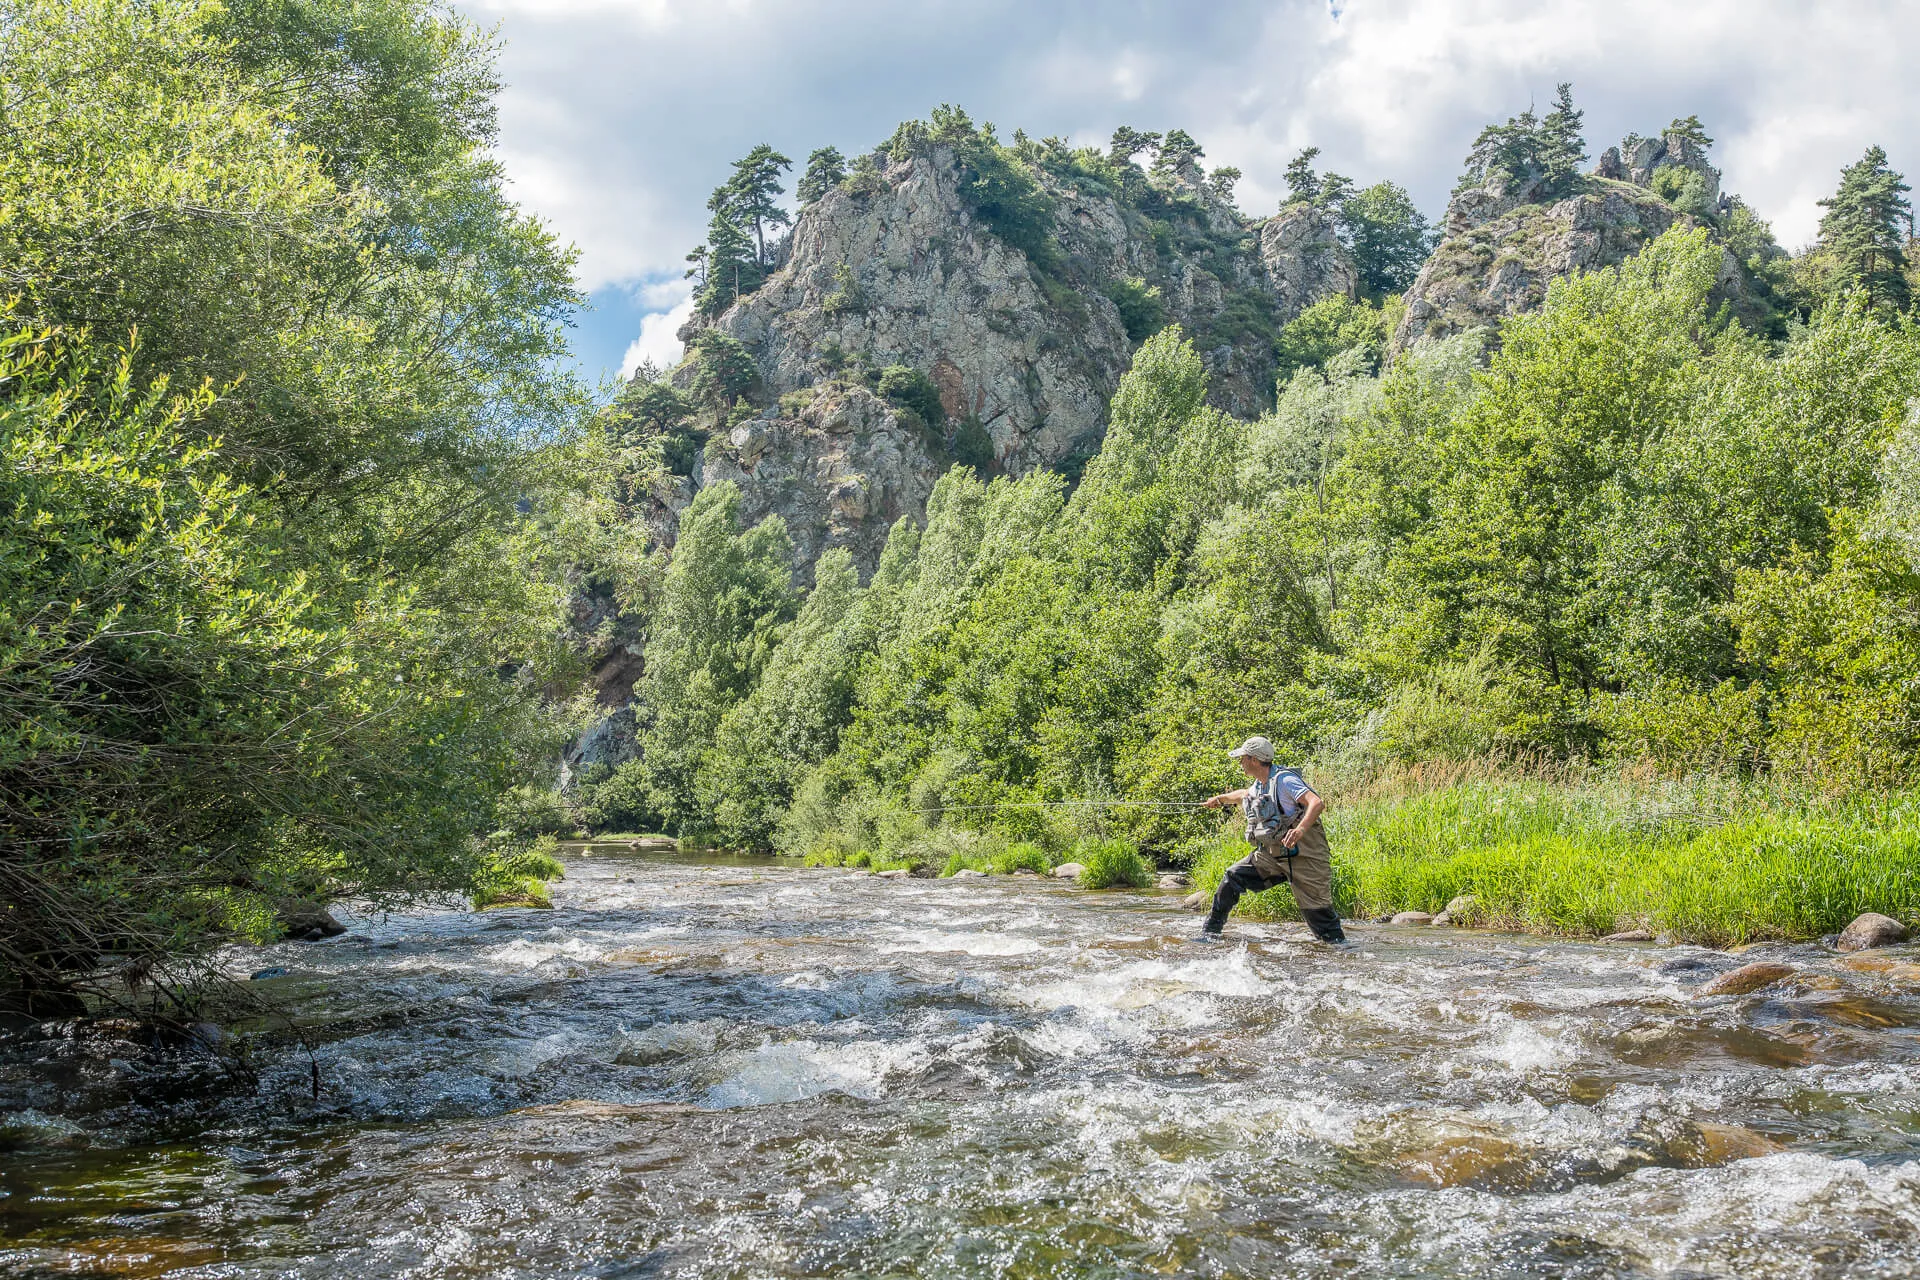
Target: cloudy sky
[620,116]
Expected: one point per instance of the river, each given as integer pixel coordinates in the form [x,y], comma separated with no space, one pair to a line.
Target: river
[709,1067]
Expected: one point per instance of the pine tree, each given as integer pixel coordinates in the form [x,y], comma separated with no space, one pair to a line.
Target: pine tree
[732,268]
[750,198]
[1222,180]
[1128,143]
[826,169]
[1689,130]
[1303,184]
[1562,148]
[1863,228]
[1178,151]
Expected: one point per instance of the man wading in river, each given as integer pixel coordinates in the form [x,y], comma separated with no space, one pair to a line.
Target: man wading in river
[1289,845]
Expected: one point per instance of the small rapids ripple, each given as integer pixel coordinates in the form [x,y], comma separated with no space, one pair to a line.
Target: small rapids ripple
[710,1067]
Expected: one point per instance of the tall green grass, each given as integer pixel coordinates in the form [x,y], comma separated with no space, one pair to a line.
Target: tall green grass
[1710,861]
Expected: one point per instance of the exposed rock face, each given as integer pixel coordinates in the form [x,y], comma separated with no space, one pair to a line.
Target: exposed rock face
[909,275]
[1504,243]
[840,471]
[1498,256]
[1304,259]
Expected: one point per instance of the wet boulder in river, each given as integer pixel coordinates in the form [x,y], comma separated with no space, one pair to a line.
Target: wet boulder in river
[1748,977]
[1871,929]
[304,921]
[898,873]
[1412,917]
[1068,871]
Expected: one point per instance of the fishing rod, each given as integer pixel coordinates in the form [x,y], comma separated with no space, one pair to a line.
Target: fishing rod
[1063,804]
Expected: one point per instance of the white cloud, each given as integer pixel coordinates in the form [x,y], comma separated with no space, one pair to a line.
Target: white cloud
[621,115]
[657,341]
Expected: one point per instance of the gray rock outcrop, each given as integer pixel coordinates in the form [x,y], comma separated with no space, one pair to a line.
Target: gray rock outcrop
[908,274]
[1503,243]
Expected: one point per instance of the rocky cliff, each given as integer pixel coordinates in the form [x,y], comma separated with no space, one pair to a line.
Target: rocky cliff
[1023,346]
[1504,242]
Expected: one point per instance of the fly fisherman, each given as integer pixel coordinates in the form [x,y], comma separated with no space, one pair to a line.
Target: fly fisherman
[1289,845]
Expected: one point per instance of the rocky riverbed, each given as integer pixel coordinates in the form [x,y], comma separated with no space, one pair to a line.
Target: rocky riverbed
[702,1067]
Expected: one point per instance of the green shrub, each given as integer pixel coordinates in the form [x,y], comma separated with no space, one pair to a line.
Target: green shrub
[1138,302]
[911,389]
[1111,863]
[1023,854]
[966,861]
[970,445]
[519,892]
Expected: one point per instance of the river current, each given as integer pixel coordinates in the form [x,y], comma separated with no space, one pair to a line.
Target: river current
[704,1067]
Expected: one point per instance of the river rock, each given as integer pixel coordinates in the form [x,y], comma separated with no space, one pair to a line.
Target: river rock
[1172,880]
[968,873]
[1629,935]
[1068,871]
[272,971]
[1410,917]
[1459,905]
[303,921]
[1871,929]
[1195,901]
[1748,977]
[1443,919]
[898,873]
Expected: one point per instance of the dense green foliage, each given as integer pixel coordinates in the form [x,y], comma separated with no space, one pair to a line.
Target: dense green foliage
[1637,534]
[1388,237]
[279,376]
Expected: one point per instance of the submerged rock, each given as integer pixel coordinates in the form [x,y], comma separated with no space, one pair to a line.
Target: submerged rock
[1871,929]
[1068,871]
[1410,917]
[1748,977]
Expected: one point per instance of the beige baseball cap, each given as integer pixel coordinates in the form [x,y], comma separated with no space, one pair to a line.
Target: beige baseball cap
[1259,748]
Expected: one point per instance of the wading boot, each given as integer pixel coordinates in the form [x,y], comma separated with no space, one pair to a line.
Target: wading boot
[1325,923]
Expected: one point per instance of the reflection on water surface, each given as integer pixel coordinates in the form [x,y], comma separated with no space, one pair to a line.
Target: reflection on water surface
[705,1067]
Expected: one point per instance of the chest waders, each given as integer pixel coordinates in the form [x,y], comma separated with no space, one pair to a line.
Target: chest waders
[1306,868]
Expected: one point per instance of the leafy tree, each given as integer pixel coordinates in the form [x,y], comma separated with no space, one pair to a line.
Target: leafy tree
[722,606]
[1389,237]
[1861,229]
[344,455]
[826,169]
[1330,326]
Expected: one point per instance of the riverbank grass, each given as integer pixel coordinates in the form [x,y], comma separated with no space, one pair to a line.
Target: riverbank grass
[1717,865]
